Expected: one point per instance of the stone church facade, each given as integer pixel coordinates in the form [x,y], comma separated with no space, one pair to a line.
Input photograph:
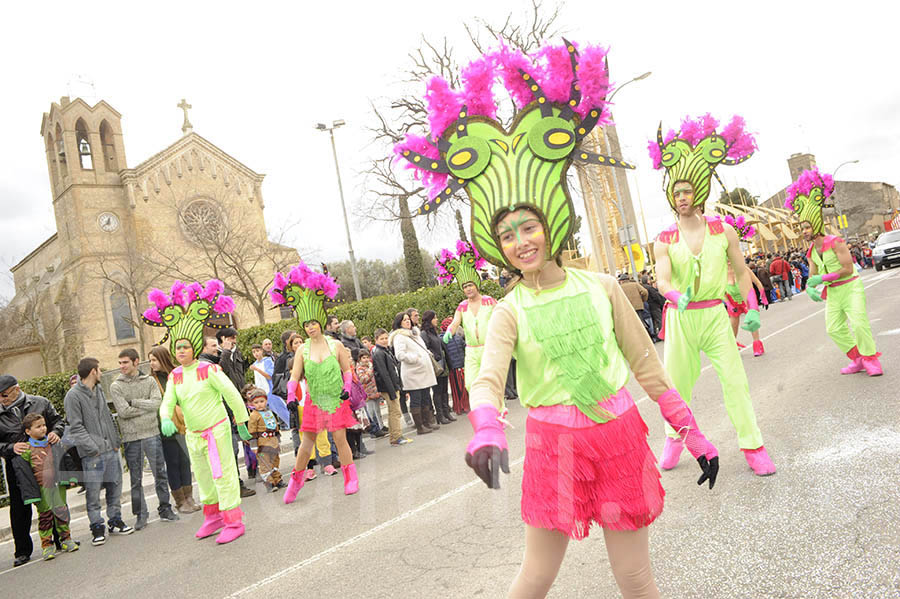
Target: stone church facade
[190,212]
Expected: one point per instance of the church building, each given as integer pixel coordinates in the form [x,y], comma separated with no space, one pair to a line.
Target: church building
[190,212]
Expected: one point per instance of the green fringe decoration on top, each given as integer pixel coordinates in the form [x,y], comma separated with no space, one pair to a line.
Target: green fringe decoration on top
[568,331]
[324,380]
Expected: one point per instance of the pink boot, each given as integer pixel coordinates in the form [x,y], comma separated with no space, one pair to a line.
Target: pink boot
[351,483]
[759,461]
[233,526]
[758,349]
[298,477]
[671,453]
[856,365]
[212,521]
[872,365]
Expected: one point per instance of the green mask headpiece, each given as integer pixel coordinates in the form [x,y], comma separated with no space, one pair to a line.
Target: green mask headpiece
[304,290]
[808,195]
[462,267]
[186,309]
[560,95]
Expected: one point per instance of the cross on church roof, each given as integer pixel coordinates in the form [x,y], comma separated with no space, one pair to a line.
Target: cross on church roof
[187,127]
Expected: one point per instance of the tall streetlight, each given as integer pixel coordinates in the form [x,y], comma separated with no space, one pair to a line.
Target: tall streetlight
[617,151]
[834,197]
[324,127]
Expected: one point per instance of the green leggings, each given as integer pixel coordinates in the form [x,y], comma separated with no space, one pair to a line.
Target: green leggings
[226,490]
[847,304]
[708,330]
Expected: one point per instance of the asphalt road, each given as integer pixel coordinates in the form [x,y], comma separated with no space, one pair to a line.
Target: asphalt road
[826,525]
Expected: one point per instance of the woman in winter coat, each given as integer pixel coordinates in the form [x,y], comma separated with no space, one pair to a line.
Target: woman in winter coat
[416,371]
[439,393]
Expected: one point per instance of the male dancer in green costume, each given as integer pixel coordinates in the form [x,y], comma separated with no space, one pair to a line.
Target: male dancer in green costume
[198,387]
[475,311]
[830,263]
[692,273]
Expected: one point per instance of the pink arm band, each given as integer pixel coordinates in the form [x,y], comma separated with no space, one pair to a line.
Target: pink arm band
[673,296]
[751,299]
[488,429]
[348,380]
[677,413]
[292,390]
[832,276]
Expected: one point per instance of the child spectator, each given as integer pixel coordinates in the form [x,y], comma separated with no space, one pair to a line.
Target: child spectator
[368,343]
[38,470]
[456,360]
[263,426]
[263,369]
[365,372]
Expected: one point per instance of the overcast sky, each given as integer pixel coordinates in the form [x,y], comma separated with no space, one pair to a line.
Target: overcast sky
[814,77]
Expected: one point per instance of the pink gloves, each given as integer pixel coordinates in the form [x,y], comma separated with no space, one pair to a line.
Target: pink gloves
[677,413]
[292,390]
[487,452]
[348,381]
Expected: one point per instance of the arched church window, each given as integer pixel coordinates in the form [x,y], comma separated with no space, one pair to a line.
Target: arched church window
[123,324]
[83,145]
[110,162]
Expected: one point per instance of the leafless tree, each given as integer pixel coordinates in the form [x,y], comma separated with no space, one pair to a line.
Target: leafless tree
[36,319]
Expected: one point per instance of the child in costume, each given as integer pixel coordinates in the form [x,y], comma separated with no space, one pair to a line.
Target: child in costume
[325,364]
[574,333]
[830,263]
[474,312]
[263,368]
[264,427]
[456,360]
[53,513]
[198,387]
[692,271]
[734,301]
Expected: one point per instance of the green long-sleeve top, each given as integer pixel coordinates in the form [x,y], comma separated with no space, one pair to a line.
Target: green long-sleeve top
[199,389]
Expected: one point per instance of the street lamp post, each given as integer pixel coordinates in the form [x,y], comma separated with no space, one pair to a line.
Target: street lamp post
[335,125]
[617,201]
[834,197]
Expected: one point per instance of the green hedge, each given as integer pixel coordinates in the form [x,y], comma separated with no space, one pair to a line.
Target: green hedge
[372,313]
[51,386]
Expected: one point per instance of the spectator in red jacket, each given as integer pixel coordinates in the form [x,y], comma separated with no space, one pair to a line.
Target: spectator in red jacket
[780,271]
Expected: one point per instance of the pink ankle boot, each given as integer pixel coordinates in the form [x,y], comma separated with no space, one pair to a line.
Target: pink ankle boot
[298,477]
[351,482]
[857,362]
[759,461]
[872,365]
[671,453]
[234,527]
[758,349]
[212,521]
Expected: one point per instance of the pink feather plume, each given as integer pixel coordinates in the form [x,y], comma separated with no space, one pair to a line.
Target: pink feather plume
[276,297]
[805,183]
[178,294]
[434,182]
[443,105]
[160,298]
[555,72]
[194,291]
[655,153]
[593,78]
[741,142]
[478,81]
[508,62]
[224,305]
[152,314]
[212,289]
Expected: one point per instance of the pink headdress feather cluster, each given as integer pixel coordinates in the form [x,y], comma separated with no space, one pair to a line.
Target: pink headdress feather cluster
[805,184]
[183,295]
[462,265]
[744,230]
[741,143]
[305,277]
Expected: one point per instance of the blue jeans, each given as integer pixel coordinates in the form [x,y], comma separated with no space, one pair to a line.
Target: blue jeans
[134,457]
[103,471]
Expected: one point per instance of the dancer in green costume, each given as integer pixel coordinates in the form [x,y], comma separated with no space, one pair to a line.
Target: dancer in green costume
[830,263]
[574,333]
[692,273]
[198,387]
[474,312]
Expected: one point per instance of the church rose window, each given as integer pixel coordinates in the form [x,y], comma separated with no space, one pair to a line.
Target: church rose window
[121,313]
[202,221]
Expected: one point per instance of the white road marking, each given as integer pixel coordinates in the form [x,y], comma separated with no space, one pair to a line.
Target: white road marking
[890,332]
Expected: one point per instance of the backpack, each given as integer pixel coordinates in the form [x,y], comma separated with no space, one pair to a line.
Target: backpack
[358,394]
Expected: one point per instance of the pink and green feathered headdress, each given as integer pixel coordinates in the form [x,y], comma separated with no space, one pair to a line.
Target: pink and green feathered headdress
[462,266]
[186,309]
[744,230]
[559,93]
[807,196]
[304,290]
[693,153]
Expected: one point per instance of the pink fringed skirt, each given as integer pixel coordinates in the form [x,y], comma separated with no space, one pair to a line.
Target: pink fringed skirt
[315,419]
[578,472]
[735,309]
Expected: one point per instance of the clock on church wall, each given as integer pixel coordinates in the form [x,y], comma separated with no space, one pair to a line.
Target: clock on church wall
[108,222]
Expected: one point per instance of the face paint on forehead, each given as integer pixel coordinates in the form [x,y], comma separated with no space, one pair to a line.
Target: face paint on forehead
[520,218]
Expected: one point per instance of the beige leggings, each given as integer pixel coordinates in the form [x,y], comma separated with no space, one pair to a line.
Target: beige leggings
[629,556]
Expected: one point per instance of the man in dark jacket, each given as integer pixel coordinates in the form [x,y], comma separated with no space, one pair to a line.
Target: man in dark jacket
[230,358]
[348,336]
[387,380]
[655,303]
[94,433]
[14,405]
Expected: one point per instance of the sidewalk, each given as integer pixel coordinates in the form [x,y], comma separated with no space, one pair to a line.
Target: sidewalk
[78,507]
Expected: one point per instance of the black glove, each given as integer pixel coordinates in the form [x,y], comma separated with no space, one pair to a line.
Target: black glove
[710,470]
[293,414]
[485,463]
[344,395]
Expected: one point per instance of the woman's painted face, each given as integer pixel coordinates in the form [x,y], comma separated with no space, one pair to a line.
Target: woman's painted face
[154,363]
[522,240]
[184,352]
[406,323]
[313,328]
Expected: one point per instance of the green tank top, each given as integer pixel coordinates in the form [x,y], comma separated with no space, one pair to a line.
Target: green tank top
[566,351]
[828,261]
[711,266]
[324,378]
[734,290]
[475,326]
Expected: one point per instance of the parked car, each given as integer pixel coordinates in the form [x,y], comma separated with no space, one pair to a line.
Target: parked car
[887,249]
